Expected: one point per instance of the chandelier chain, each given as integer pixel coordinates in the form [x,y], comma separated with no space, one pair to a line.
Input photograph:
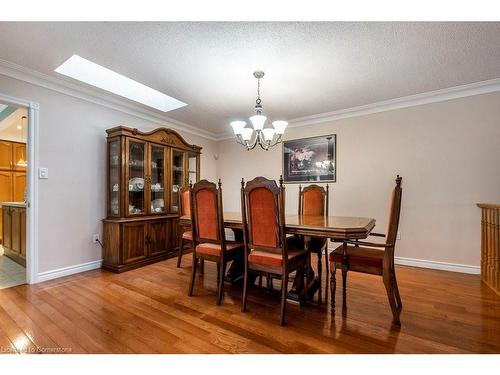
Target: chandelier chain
[258,101]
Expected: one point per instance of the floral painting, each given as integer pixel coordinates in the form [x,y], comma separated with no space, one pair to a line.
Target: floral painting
[310,159]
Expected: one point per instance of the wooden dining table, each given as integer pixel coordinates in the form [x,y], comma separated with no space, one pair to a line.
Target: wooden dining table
[334,227]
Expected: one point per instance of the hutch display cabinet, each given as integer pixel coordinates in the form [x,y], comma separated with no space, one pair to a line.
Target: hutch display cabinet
[145,174]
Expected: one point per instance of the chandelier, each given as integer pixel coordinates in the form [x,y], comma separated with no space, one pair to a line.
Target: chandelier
[256,133]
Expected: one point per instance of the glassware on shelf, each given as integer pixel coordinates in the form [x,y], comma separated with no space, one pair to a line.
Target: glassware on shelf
[157,179]
[192,167]
[114,178]
[178,176]
[136,177]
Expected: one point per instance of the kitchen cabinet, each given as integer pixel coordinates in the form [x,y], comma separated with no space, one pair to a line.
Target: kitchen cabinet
[12,174]
[14,231]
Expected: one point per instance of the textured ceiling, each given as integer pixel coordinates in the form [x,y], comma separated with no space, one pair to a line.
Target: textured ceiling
[310,67]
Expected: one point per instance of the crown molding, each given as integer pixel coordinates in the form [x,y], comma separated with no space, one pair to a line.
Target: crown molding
[456,92]
[34,77]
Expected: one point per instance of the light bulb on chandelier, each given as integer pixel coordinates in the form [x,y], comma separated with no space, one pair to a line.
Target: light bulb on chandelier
[256,133]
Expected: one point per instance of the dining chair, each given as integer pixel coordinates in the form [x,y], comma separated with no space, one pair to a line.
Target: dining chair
[186,234]
[267,248]
[313,201]
[209,240]
[372,258]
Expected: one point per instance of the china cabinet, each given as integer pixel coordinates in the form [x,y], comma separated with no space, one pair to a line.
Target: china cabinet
[145,174]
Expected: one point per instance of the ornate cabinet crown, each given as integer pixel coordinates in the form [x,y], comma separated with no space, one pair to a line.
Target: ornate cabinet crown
[146,171]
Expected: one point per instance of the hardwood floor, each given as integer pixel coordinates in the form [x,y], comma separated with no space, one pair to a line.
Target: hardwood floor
[147,310]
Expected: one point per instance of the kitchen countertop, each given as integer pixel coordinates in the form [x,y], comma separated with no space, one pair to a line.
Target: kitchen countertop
[13,204]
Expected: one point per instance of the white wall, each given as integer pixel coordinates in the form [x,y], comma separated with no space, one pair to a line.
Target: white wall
[448,154]
[73,146]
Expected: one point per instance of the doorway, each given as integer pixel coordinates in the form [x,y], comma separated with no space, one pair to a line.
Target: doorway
[13,194]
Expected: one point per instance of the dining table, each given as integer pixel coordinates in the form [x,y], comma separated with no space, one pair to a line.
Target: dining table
[336,228]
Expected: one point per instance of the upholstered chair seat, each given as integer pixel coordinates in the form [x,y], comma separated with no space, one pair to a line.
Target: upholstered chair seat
[266,258]
[363,256]
[188,235]
[214,249]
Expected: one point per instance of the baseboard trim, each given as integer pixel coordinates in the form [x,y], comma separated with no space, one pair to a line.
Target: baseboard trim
[443,266]
[66,271]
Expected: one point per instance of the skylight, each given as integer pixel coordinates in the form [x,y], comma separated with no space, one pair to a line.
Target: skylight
[96,75]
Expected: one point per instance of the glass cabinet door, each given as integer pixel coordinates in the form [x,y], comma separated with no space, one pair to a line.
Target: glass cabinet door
[136,183]
[192,167]
[157,179]
[114,178]
[177,177]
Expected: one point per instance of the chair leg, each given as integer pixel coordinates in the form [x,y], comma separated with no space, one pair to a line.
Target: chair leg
[220,288]
[396,293]
[245,287]
[327,266]
[202,266]
[344,283]
[269,279]
[218,273]
[284,291]
[391,294]
[333,285]
[193,274]
[320,277]
[181,249]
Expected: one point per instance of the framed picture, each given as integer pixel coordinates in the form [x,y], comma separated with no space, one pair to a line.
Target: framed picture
[310,159]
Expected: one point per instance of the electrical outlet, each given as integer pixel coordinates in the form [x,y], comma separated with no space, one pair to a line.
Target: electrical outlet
[96,238]
[398,236]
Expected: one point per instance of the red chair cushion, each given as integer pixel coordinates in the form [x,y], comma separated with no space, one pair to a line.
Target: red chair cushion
[206,214]
[186,207]
[188,235]
[267,258]
[313,203]
[215,249]
[262,209]
[359,255]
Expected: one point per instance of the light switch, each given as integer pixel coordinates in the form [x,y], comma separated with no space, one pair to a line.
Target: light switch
[43,173]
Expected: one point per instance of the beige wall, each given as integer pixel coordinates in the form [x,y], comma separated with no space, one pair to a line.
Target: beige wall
[448,154]
[72,145]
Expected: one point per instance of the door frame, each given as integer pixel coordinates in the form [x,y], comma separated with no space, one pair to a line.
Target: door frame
[32,146]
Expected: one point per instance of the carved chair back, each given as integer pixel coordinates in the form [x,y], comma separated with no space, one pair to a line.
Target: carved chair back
[393,223]
[262,207]
[206,213]
[184,201]
[313,200]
